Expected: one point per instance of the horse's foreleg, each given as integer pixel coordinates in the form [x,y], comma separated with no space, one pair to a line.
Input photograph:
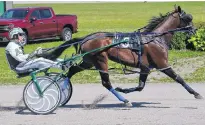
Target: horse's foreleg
[140,87]
[142,79]
[169,72]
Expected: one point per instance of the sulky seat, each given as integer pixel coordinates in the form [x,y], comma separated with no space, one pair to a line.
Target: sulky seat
[12,67]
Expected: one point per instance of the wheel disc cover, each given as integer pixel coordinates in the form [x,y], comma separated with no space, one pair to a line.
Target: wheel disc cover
[65,90]
[45,103]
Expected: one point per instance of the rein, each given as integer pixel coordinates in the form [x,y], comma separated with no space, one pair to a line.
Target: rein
[183,29]
[136,34]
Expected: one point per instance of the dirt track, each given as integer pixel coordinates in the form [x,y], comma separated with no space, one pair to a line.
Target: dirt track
[158,104]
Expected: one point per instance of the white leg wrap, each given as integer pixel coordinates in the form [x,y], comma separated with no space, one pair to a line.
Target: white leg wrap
[164,68]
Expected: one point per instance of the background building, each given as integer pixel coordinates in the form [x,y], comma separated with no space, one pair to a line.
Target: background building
[5,5]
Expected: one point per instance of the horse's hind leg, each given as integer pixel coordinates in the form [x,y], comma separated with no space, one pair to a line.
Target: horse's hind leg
[101,63]
[106,83]
[169,72]
[75,69]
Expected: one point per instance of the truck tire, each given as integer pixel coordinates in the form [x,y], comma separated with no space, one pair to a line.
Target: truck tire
[25,36]
[66,34]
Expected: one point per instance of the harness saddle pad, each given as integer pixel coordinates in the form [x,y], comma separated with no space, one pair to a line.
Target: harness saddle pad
[133,41]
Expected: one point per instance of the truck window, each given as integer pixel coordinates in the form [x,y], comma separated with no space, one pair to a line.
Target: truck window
[36,14]
[15,14]
[45,13]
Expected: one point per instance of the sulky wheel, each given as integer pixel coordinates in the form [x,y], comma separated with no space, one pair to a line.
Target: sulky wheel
[65,86]
[45,103]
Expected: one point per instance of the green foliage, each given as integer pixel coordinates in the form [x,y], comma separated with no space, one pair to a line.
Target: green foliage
[198,40]
[199,25]
[178,41]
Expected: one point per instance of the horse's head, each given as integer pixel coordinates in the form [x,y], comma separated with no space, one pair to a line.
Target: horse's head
[185,19]
[172,20]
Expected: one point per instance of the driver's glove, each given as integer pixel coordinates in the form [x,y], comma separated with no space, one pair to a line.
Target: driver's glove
[34,53]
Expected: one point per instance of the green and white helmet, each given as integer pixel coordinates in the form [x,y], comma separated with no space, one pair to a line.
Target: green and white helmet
[13,35]
[15,31]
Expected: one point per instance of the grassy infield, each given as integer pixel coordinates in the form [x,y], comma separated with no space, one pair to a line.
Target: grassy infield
[121,17]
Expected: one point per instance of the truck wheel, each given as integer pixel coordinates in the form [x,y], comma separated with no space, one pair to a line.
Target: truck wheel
[25,36]
[66,34]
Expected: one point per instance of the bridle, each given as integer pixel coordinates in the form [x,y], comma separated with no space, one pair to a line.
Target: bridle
[181,15]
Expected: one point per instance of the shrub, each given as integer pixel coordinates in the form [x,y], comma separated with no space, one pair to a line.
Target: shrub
[198,40]
[178,41]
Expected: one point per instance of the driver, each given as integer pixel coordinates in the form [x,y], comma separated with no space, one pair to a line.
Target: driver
[20,62]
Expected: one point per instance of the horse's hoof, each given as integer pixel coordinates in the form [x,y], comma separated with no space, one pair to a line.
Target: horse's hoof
[128,104]
[198,96]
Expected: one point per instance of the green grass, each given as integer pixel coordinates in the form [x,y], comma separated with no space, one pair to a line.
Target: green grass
[121,17]
[198,75]
[176,54]
[94,17]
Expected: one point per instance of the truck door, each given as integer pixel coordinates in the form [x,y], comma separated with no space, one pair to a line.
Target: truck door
[36,28]
[49,22]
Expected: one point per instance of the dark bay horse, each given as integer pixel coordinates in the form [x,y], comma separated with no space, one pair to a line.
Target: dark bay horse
[154,54]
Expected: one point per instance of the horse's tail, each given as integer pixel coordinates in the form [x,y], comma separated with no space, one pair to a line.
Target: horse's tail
[54,53]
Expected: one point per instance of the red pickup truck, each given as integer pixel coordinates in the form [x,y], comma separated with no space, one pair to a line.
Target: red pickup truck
[38,23]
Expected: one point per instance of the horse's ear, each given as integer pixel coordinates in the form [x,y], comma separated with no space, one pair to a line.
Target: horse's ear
[175,7]
[179,9]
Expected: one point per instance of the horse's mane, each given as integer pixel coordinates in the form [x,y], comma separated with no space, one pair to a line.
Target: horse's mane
[154,21]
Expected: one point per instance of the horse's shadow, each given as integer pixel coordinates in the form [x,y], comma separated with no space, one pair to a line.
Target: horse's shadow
[21,110]
[118,105]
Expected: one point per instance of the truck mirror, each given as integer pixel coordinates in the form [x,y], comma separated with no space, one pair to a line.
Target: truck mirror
[33,19]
